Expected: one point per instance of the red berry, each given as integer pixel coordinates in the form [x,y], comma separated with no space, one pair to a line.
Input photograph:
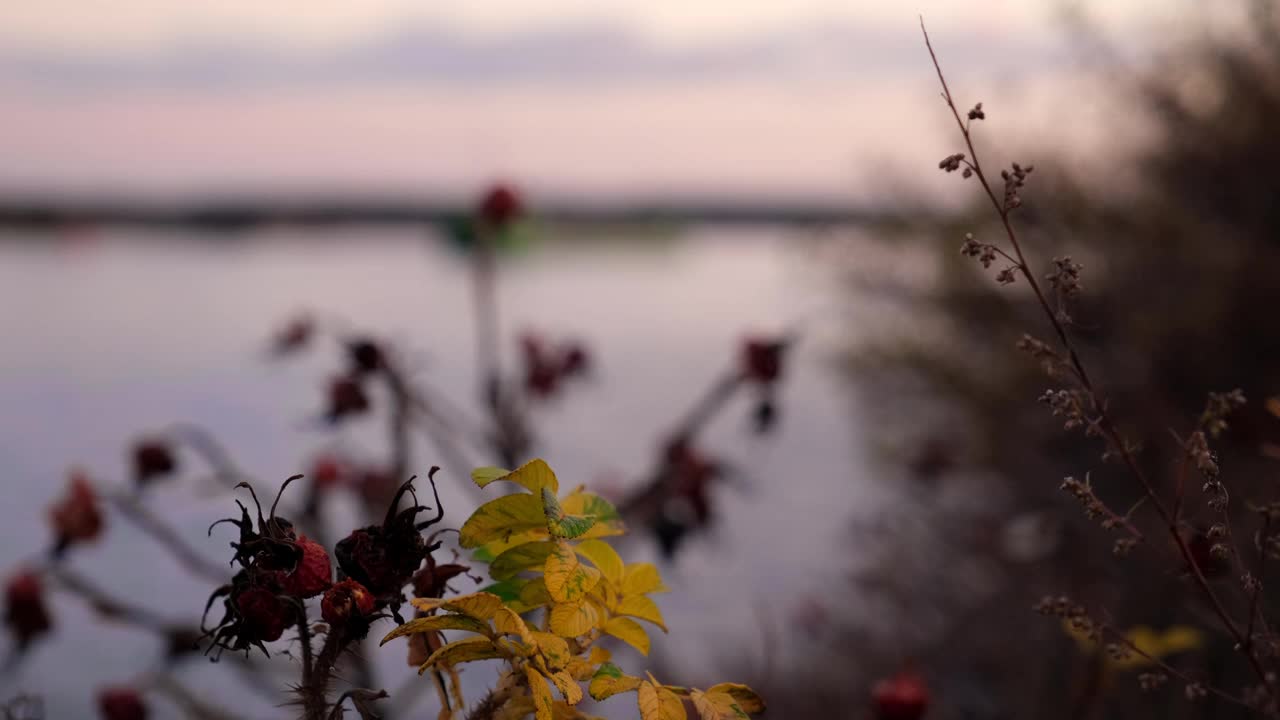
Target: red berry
[328,472]
[25,611]
[152,458]
[264,615]
[77,517]
[500,205]
[905,696]
[313,574]
[121,703]
[345,600]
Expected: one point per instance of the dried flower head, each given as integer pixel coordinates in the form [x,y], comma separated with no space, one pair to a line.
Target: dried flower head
[76,518]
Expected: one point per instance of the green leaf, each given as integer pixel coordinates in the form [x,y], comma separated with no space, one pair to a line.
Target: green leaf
[520,558]
[608,521]
[508,590]
[501,518]
[561,524]
[609,680]
[435,623]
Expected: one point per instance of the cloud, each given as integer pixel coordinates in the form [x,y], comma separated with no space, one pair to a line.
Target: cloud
[574,55]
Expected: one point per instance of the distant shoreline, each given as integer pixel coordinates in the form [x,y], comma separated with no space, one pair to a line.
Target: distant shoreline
[236,214]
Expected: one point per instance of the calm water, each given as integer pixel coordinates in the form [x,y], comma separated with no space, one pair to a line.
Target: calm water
[115,334]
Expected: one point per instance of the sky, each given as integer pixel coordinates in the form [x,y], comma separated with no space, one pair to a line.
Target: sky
[603,99]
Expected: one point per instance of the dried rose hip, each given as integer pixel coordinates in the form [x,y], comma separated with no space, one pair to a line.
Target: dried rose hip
[312,574]
[500,205]
[294,336]
[121,703]
[346,601]
[383,558]
[152,459]
[905,696]
[25,611]
[77,517]
[762,359]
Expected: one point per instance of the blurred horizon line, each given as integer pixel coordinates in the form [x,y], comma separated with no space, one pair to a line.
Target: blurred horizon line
[235,213]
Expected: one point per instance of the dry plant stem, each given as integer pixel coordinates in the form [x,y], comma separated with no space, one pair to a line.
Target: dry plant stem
[1104,423]
[489,705]
[1120,638]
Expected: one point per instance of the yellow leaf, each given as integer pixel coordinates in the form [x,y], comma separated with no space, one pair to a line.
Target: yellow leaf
[520,558]
[604,557]
[479,605]
[609,680]
[744,696]
[461,651]
[571,619]
[553,648]
[435,623]
[533,476]
[567,579]
[639,606]
[717,706]
[641,579]
[501,518]
[659,703]
[507,622]
[580,669]
[542,700]
[489,551]
[599,655]
[569,688]
[629,632]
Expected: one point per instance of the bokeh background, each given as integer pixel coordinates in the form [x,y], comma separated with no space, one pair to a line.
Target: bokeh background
[694,173]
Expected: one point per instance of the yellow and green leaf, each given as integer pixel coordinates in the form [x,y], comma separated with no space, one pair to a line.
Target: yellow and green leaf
[609,680]
[561,524]
[553,648]
[541,691]
[533,476]
[569,688]
[461,651]
[745,697]
[520,558]
[567,579]
[501,518]
[435,623]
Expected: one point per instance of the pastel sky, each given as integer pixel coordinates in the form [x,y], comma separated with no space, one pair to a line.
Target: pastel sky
[598,99]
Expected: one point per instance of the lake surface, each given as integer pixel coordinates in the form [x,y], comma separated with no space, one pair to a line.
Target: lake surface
[112,333]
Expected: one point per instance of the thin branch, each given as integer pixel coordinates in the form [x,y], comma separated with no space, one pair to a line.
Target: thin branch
[1106,425]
